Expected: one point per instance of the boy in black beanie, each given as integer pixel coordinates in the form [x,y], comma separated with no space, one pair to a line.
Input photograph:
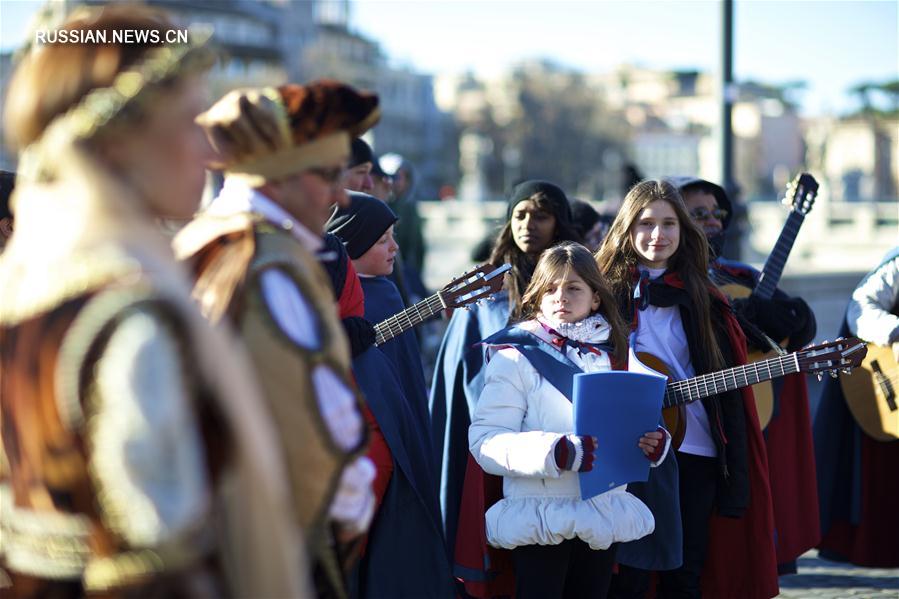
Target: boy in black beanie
[366,229]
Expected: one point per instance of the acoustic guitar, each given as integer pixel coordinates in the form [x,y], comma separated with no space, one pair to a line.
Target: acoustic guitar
[800,196]
[481,283]
[829,357]
[872,393]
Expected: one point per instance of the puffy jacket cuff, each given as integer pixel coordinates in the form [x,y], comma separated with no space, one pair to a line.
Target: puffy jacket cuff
[661,452]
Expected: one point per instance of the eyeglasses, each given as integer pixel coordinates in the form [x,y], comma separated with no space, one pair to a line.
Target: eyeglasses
[328,175]
[704,214]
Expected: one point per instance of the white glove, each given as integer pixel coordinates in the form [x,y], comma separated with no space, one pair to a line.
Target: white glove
[354,502]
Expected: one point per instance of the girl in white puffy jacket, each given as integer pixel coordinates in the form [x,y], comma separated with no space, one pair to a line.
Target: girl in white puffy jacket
[563,546]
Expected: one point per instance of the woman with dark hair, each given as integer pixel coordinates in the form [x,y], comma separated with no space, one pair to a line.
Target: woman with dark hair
[538,217]
[712,505]
[140,461]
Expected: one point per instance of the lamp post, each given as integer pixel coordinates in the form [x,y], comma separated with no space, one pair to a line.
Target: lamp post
[728,95]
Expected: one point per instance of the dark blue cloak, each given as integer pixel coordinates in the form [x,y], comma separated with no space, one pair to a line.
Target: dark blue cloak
[383,300]
[405,555]
[458,381]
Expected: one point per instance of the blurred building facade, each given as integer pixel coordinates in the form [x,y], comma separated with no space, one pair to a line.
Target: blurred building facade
[411,124]
[270,42]
[539,119]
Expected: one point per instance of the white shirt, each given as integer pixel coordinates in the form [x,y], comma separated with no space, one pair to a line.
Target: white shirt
[869,314]
[660,332]
[354,503]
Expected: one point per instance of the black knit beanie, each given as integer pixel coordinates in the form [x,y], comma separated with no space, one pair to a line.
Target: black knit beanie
[360,153]
[554,195]
[362,224]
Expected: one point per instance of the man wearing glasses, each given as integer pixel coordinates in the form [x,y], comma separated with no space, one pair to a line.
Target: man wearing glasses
[791,463]
[255,255]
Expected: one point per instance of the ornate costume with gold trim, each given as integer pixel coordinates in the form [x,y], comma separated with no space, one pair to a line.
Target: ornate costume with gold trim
[252,255]
[58,304]
[229,254]
[101,350]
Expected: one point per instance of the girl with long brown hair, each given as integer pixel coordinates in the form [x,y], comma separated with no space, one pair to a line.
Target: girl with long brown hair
[717,502]
[522,430]
[538,217]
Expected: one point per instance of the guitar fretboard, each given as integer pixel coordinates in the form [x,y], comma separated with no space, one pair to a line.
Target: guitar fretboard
[774,265]
[408,318]
[706,385]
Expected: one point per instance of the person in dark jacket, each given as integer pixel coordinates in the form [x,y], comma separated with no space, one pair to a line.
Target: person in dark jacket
[788,436]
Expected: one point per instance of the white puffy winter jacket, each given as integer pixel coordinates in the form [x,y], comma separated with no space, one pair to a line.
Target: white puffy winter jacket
[518,421]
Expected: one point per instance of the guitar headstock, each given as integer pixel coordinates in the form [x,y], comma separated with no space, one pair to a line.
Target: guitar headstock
[478,284]
[801,193]
[832,356]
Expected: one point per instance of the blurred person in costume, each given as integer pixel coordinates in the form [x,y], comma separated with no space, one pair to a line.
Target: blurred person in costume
[140,462]
[253,252]
[857,482]
[788,436]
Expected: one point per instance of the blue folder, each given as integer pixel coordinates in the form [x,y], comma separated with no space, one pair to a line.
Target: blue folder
[617,408]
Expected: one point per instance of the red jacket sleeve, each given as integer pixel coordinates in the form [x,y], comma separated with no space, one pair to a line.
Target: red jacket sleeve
[379,453]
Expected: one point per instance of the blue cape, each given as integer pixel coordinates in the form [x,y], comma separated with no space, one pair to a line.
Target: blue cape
[405,555]
[458,381]
[383,300]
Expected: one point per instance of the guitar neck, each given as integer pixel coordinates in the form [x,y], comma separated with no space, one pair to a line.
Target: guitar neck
[408,318]
[706,385]
[774,265]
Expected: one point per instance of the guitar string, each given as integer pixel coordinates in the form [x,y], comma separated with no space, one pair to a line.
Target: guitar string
[395,319]
[678,388]
[434,305]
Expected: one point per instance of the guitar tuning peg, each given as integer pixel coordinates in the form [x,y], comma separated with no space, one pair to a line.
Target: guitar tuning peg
[468,309]
[820,375]
[833,374]
[490,298]
[846,370]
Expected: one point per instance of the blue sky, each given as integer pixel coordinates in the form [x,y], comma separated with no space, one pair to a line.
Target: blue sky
[831,44]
